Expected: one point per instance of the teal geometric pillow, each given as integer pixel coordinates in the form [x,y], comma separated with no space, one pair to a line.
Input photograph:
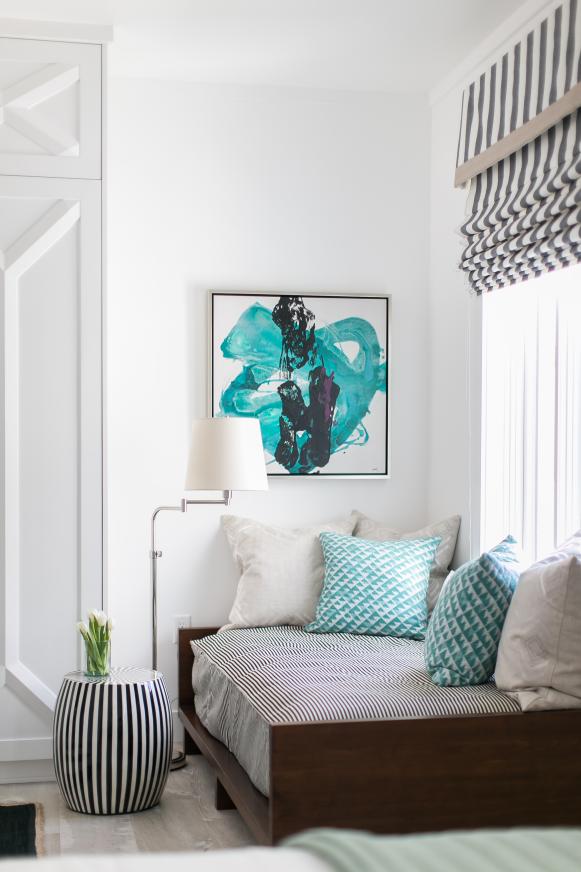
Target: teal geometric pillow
[374,588]
[464,632]
[509,552]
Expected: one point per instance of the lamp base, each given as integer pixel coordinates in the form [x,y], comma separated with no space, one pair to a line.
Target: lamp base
[178,761]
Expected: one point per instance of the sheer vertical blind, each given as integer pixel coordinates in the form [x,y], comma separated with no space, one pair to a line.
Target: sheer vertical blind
[531,463]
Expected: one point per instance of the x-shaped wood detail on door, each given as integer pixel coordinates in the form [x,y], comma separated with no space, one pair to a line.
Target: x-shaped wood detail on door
[18,99]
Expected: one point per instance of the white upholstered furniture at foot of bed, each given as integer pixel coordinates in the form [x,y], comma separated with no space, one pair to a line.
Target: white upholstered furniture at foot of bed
[237,860]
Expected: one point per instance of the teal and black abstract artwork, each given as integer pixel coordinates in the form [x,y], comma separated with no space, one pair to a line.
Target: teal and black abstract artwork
[314,370]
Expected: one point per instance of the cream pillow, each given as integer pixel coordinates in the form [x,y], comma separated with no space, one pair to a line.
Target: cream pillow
[281,571]
[539,657]
[447,531]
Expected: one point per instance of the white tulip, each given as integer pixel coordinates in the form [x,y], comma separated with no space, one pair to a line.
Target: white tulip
[92,615]
[110,624]
[83,630]
[101,618]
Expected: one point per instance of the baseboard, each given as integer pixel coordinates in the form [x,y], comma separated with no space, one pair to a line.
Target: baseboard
[26,771]
[23,760]
[17,750]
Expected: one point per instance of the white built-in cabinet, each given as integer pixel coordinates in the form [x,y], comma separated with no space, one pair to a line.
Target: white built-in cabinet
[51,467]
[51,109]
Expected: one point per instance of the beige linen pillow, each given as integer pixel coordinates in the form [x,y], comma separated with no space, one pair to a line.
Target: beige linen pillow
[447,531]
[539,656]
[281,571]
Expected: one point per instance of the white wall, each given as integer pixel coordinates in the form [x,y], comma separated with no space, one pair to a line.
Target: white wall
[246,188]
[454,341]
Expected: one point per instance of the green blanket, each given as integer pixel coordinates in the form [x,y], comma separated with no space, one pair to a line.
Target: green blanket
[518,850]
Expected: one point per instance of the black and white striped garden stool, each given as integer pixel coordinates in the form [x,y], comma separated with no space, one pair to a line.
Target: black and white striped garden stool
[112,740]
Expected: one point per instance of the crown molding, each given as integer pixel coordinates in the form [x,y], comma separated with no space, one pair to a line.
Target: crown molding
[56,31]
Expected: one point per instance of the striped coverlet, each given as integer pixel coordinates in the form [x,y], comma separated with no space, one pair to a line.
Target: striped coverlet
[514,850]
[246,680]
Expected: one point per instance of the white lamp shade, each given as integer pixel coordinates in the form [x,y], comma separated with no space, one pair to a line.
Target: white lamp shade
[226,454]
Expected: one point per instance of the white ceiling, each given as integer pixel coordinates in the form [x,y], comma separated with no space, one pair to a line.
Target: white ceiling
[362,45]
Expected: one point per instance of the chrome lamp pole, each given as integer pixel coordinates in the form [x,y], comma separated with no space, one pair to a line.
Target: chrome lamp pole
[154,555]
[226,454]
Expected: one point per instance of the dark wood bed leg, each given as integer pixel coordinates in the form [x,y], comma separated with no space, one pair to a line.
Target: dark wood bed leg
[190,746]
[223,801]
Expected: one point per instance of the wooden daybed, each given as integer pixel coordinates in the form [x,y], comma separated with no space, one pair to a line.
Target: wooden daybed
[399,776]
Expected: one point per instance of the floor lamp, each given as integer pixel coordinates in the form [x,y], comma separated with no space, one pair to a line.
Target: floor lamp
[226,454]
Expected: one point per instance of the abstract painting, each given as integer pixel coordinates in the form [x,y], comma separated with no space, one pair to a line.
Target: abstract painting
[313,370]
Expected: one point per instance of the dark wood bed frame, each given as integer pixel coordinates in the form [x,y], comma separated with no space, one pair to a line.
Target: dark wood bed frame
[399,776]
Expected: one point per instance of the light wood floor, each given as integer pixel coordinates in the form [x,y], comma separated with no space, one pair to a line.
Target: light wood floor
[184,820]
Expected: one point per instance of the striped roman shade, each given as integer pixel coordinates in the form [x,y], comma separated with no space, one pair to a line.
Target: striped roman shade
[524,209]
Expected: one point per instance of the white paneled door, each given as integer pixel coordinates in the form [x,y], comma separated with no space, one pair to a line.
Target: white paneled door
[51,488]
[50,402]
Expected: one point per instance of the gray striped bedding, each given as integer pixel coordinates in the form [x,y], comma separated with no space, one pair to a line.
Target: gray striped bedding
[245,680]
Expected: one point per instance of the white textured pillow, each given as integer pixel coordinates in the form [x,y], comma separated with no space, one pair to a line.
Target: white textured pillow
[447,531]
[281,571]
[539,656]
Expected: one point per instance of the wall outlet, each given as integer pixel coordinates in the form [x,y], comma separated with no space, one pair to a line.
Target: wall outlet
[179,622]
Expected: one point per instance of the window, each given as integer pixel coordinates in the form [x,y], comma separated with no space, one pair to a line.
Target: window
[531,434]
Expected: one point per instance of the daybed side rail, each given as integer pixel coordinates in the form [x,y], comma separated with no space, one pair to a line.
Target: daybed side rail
[428,774]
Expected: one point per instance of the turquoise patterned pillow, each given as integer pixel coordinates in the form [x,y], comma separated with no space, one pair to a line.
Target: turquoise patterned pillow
[464,631]
[374,588]
[509,552]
